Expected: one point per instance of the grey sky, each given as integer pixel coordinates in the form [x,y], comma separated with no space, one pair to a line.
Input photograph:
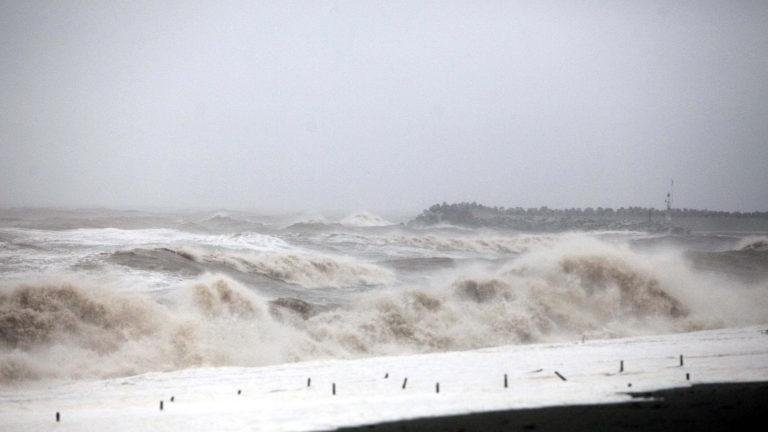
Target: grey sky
[383,105]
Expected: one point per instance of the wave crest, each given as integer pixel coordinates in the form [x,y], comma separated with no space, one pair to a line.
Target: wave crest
[306,270]
[219,299]
[756,244]
[32,315]
[365,219]
[637,292]
[477,244]
[555,294]
[64,330]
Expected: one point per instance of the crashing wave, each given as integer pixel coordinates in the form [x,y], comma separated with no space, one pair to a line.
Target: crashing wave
[553,294]
[63,330]
[365,219]
[114,237]
[497,245]
[457,245]
[299,268]
[754,244]
[304,269]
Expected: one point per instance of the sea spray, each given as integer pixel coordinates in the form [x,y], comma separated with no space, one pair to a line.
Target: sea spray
[577,286]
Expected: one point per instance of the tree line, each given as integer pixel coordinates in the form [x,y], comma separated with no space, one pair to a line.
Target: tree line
[475,208]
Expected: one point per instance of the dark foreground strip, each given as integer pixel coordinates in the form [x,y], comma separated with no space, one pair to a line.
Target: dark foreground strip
[706,407]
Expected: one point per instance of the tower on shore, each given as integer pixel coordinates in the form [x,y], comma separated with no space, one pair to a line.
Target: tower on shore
[668,201]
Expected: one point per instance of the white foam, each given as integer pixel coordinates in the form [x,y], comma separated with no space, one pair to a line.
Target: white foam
[365,219]
[277,398]
[114,237]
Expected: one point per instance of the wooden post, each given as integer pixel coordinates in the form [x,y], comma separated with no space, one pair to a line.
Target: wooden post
[681,360]
[621,366]
[58,417]
[333,389]
[239,391]
[437,387]
[386,375]
[309,382]
[687,376]
[561,377]
[161,405]
[506,382]
[173,398]
[405,382]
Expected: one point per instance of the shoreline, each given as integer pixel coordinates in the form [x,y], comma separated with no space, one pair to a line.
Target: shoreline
[710,407]
[474,392]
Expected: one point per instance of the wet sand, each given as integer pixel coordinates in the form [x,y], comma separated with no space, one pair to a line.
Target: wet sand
[706,407]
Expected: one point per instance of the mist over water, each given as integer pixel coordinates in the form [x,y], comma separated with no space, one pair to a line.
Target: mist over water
[177,291]
[220,184]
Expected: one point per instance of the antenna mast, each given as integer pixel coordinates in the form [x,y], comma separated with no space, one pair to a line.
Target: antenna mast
[668,201]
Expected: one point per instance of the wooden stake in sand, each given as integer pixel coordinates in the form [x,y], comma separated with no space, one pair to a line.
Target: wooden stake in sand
[386,375]
[437,387]
[405,382]
[687,376]
[161,405]
[621,366]
[506,382]
[681,360]
[173,398]
[561,377]
[333,389]
[309,382]
[58,417]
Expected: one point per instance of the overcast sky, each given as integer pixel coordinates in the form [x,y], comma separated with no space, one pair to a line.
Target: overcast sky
[383,105]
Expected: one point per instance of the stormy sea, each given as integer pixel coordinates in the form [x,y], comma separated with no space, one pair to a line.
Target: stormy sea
[100,293]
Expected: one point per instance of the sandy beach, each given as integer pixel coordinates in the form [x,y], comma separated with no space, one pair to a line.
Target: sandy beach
[566,386]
